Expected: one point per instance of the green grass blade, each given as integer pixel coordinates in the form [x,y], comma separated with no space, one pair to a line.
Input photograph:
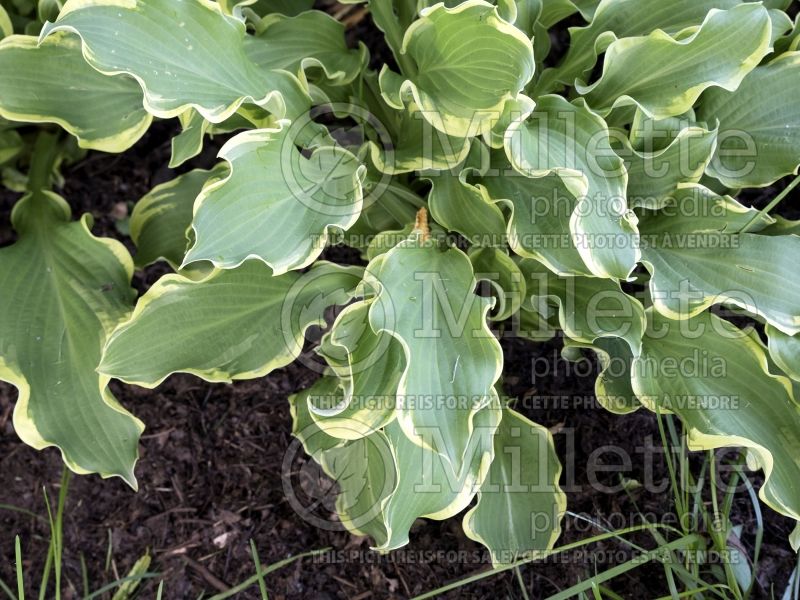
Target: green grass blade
[7,590]
[273,567]
[693,593]
[20,576]
[759,534]
[48,565]
[52,552]
[539,556]
[21,511]
[625,567]
[608,593]
[524,591]
[84,576]
[775,201]
[262,586]
[671,468]
[109,551]
[119,582]
[596,592]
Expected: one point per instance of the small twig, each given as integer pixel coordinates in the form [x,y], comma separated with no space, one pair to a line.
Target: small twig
[212,579]
[344,581]
[354,18]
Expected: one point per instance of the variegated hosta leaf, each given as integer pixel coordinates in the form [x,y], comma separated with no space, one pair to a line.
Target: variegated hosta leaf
[497,268]
[369,365]
[460,206]
[554,11]
[777,4]
[696,259]
[587,8]
[425,300]
[520,504]
[6,27]
[304,427]
[541,208]
[781,24]
[468,63]
[311,39]
[785,351]
[652,135]
[612,388]
[62,291]
[162,217]
[11,142]
[725,395]
[791,41]
[184,53]
[588,307]
[417,146]
[47,10]
[695,208]
[393,17]
[364,484]
[423,482]
[395,210]
[572,142]
[365,471]
[233,324]
[386,240]
[664,76]
[781,226]
[523,14]
[276,204]
[653,176]
[290,8]
[189,142]
[427,485]
[33,90]
[621,19]
[759,130]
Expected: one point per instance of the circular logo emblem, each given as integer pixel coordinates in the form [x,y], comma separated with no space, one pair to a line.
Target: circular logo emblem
[345,481]
[322,155]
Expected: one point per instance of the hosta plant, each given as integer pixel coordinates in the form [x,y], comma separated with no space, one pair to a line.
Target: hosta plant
[490,187]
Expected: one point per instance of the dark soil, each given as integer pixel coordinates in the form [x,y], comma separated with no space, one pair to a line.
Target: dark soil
[212,470]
